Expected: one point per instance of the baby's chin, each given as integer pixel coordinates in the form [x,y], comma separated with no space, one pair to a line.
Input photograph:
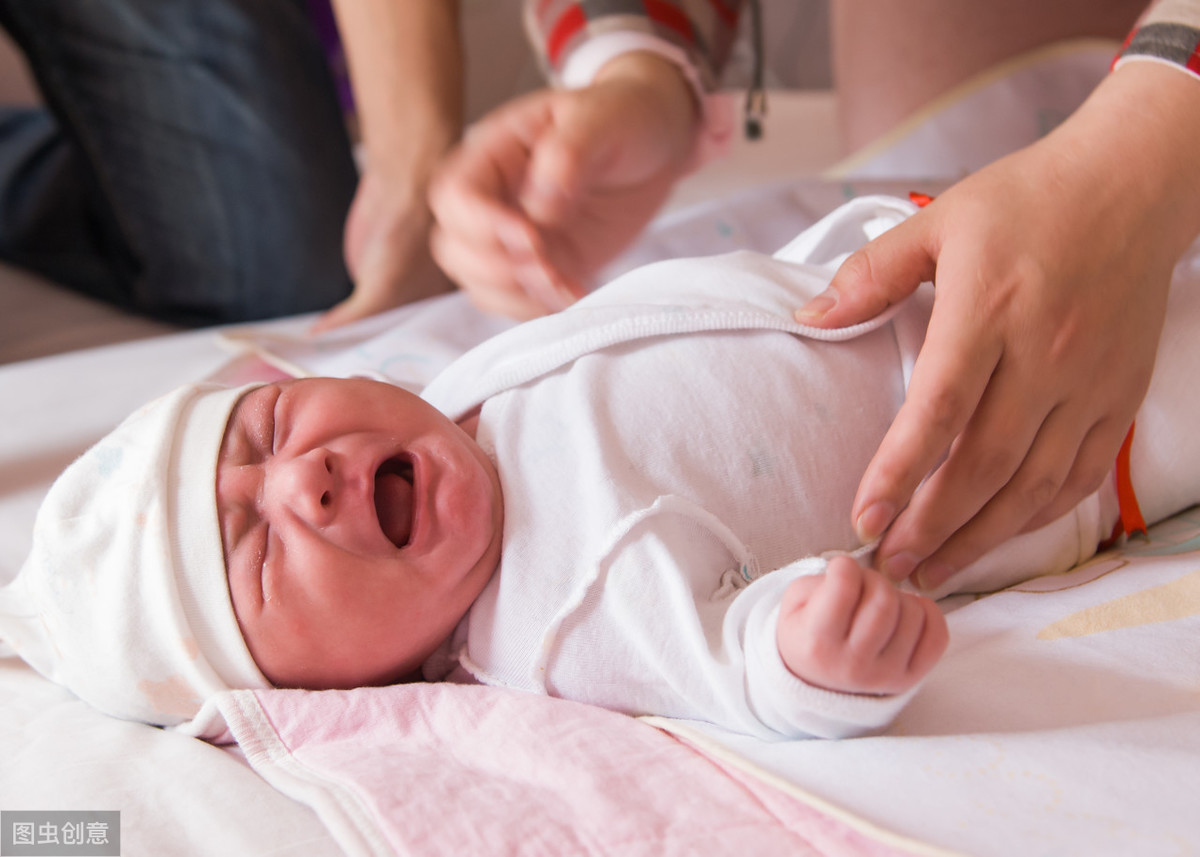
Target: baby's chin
[349,679]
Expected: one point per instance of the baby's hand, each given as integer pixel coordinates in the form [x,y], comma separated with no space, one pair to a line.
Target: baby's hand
[851,630]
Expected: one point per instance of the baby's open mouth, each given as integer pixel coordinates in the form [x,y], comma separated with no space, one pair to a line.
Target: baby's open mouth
[394,500]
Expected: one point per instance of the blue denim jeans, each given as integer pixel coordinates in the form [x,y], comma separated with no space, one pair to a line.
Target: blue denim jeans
[192,165]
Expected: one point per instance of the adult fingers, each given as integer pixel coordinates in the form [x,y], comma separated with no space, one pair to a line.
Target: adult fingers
[982,464]
[493,280]
[365,302]
[1035,483]
[489,239]
[1091,467]
[949,378]
[353,308]
[474,193]
[481,241]
[387,273]
[477,213]
[1068,460]
[565,157]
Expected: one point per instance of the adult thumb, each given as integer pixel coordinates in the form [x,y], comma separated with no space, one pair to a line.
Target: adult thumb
[880,273]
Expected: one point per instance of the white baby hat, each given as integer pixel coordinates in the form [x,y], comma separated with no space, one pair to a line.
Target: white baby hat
[124,598]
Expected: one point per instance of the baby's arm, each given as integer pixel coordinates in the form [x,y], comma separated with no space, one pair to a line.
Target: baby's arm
[851,630]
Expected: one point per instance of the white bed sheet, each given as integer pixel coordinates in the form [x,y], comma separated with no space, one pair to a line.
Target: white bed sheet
[178,795]
[1063,720]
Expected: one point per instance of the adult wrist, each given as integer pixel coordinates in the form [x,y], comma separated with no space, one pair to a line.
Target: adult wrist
[412,152]
[1137,134]
[1164,110]
[708,118]
[645,67]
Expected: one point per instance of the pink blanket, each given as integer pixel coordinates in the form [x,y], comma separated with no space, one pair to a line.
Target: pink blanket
[454,769]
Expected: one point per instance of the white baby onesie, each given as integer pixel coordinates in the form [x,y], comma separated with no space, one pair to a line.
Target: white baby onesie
[670,452]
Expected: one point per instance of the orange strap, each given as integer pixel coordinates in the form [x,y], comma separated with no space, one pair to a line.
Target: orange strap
[920,200]
[1131,514]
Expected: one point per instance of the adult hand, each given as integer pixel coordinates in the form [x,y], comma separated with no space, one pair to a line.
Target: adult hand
[549,188]
[386,244]
[406,66]
[1051,269]
[851,630]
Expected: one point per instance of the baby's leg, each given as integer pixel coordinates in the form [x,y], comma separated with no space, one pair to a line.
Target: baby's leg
[1165,456]
[851,630]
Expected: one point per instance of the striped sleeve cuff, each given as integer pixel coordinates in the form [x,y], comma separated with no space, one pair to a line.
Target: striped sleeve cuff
[574,57]
[704,29]
[1168,33]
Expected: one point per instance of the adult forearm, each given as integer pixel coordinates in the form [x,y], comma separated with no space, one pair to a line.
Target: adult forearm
[405,63]
[1148,117]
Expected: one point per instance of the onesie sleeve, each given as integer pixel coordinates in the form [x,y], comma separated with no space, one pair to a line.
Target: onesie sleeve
[1168,33]
[783,703]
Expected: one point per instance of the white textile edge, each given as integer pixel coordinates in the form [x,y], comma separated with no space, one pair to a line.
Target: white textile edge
[715,749]
[350,823]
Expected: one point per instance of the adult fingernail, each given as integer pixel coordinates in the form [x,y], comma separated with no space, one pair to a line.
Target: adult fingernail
[543,285]
[536,281]
[899,567]
[818,307]
[558,297]
[871,523]
[542,200]
[566,295]
[933,575]
[514,238]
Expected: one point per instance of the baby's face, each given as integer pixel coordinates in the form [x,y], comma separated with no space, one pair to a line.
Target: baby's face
[358,524]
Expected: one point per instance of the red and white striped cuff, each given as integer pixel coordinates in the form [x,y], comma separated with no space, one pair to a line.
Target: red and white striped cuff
[1168,33]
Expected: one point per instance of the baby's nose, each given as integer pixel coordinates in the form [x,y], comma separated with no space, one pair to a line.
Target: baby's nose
[304,484]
